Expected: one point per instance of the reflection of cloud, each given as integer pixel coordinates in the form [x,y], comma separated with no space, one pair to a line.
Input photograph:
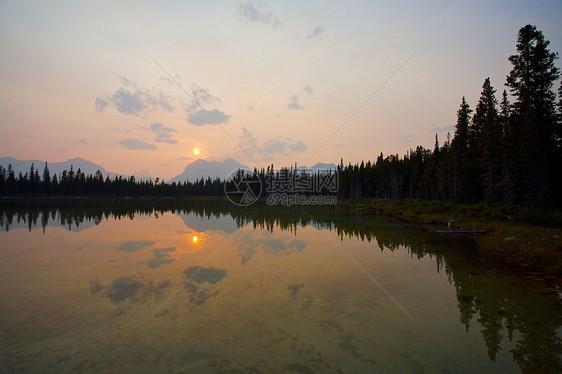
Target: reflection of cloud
[294,289]
[133,288]
[201,275]
[134,143]
[277,246]
[133,246]
[122,289]
[250,11]
[161,257]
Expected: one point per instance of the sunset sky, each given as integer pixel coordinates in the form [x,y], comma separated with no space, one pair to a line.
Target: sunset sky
[276,78]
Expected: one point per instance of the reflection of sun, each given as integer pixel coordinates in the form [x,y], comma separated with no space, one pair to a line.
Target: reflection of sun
[195,239]
[196,151]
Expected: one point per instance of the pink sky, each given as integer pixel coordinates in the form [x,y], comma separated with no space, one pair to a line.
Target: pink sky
[279,77]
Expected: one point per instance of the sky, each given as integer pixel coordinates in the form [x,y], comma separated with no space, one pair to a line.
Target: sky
[137,86]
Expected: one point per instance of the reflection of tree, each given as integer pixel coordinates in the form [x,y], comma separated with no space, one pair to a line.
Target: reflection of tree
[501,310]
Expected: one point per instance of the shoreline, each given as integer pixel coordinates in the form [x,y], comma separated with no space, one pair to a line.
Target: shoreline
[525,238]
[521,236]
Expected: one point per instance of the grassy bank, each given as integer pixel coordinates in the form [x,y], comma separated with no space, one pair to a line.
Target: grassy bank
[525,236]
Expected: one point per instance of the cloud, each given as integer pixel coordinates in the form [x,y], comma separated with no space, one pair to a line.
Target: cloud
[278,145]
[408,137]
[207,117]
[163,134]
[185,158]
[201,97]
[134,245]
[82,141]
[250,11]
[161,257]
[197,115]
[316,32]
[61,150]
[100,104]
[294,103]
[437,129]
[298,147]
[132,143]
[134,100]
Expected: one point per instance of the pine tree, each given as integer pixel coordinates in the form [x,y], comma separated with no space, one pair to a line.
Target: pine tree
[46,179]
[530,82]
[460,155]
[509,152]
[487,121]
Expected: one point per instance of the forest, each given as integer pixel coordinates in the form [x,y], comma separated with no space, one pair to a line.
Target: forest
[507,150]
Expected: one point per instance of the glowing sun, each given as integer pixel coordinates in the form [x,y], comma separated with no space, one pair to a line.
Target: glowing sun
[196,151]
[195,239]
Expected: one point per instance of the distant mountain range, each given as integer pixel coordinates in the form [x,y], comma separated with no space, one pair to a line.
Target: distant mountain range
[85,166]
[221,169]
[204,169]
[196,170]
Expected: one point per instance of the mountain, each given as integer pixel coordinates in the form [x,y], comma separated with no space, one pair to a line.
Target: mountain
[87,167]
[204,169]
[324,167]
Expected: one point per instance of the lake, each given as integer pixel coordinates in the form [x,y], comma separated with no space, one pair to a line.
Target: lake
[209,287]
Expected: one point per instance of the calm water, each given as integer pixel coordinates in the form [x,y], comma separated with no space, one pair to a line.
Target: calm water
[214,288]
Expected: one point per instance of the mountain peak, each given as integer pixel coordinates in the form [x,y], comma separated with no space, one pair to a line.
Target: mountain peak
[201,168]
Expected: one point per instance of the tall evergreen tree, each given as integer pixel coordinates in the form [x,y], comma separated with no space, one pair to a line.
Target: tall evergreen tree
[489,160]
[509,152]
[530,82]
[460,155]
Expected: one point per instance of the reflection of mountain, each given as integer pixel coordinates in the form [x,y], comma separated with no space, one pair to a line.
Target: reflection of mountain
[201,223]
[490,299]
[32,221]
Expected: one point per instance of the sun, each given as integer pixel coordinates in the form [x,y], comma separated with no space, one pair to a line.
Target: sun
[196,151]
[195,239]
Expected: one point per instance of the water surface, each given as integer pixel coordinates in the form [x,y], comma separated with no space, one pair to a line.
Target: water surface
[211,288]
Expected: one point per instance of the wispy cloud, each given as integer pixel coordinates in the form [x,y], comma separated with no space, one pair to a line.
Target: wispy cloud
[251,12]
[316,32]
[202,98]
[294,103]
[133,143]
[163,134]
[274,146]
[134,100]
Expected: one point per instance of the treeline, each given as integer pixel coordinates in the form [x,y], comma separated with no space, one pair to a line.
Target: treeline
[501,152]
[77,183]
